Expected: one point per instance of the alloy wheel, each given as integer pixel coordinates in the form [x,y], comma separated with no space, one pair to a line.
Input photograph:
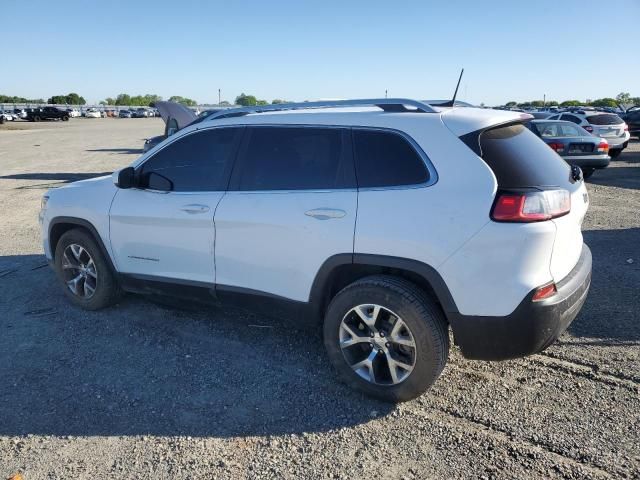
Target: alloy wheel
[79,271]
[377,344]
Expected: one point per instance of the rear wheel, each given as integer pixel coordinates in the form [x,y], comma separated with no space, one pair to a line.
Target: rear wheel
[387,338]
[587,172]
[84,271]
[65,118]
[36,118]
[615,153]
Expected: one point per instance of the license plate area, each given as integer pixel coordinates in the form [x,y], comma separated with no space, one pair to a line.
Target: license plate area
[581,148]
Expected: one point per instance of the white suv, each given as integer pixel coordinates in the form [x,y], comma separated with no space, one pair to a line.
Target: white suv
[601,124]
[387,221]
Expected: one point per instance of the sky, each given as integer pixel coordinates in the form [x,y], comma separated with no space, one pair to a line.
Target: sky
[309,50]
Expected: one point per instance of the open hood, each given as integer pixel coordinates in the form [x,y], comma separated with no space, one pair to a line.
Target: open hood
[176,111]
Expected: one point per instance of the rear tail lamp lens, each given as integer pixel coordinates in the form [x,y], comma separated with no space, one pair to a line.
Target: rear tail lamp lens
[603,147]
[558,147]
[545,292]
[531,206]
[588,128]
[626,127]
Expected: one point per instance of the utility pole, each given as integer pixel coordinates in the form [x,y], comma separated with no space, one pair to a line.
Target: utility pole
[544,99]
[385,93]
[218,96]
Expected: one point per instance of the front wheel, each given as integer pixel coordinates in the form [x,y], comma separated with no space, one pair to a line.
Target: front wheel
[84,271]
[36,118]
[65,118]
[615,153]
[386,337]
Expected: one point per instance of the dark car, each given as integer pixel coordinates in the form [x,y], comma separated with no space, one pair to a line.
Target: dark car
[574,144]
[47,113]
[124,114]
[632,118]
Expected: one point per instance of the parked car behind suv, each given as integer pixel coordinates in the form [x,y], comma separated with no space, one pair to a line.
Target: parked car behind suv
[574,144]
[606,125]
[632,119]
[47,113]
[386,223]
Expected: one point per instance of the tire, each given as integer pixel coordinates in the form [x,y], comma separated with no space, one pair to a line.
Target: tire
[104,283]
[425,325]
[615,153]
[587,172]
[65,118]
[36,118]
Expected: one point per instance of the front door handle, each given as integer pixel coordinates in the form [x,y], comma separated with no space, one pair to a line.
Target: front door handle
[325,213]
[195,208]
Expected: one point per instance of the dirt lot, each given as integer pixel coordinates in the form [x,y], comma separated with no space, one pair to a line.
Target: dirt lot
[145,391]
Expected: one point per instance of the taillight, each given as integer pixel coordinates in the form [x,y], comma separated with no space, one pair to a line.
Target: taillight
[535,206]
[588,128]
[544,292]
[557,147]
[603,147]
[626,127]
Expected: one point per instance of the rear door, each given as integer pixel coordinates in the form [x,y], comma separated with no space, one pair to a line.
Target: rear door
[290,206]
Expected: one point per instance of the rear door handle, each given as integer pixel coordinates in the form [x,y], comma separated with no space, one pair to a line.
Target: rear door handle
[325,213]
[195,208]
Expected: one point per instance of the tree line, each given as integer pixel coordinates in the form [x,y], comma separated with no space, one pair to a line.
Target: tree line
[147,100]
[622,98]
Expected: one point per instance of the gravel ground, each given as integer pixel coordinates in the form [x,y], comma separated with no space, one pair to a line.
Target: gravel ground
[147,391]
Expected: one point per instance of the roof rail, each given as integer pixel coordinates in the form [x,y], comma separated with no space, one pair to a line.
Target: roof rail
[386,104]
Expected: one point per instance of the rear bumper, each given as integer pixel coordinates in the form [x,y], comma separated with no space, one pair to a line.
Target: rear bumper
[588,161]
[532,326]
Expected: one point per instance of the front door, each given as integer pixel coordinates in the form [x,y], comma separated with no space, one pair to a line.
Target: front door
[164,229]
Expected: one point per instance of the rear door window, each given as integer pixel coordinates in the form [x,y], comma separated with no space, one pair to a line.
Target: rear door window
[295,158]
[385,159]
[571,118]
[519,159]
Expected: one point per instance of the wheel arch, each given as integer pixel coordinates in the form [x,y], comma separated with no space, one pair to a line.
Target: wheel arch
[340,270]
[58,226]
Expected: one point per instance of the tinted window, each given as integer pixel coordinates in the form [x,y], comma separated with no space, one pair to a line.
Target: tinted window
[196,162]
[386,159]
[604,119]
[571,118]
[295,158]
[520,159]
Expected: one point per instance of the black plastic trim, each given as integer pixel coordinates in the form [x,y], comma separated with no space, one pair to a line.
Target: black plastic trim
[81,223]
[532,326]
[428,273]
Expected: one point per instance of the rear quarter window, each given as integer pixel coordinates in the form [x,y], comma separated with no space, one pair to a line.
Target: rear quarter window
[519,159]
[386,159]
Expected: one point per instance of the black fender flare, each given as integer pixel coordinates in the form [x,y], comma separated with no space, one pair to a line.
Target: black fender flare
[421,269]
[80,222]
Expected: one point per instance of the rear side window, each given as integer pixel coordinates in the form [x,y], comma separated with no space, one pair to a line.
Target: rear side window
[604,119]
[520,159]
[295,158]
[571,118]
[385,159]
[197,162]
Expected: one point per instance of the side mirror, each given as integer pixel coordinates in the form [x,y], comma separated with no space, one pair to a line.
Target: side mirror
[126,178]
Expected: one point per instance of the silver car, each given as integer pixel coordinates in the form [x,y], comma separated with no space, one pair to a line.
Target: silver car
[601,124]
